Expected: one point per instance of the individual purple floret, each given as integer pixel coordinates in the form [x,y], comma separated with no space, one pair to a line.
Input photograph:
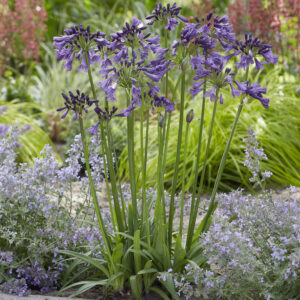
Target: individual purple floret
[169,15]
[223,32]
[77,103]
[250,50]
[76,43]
[254,91]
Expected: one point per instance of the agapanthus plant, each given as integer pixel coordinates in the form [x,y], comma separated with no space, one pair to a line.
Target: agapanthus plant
[142,245]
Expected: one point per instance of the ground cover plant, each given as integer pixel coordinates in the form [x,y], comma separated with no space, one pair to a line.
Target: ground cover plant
[135,244]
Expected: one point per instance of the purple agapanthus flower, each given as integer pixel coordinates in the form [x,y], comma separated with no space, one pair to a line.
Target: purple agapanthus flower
[75,43]
[168,14]
[129,33]
[133,68]
[224,32]
[250,50]
[77,103]
[212,69]
[103,115]
[254,91]
[161,101]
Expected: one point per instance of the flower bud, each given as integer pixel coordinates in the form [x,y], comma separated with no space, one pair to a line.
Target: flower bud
[162,122]
[190,116]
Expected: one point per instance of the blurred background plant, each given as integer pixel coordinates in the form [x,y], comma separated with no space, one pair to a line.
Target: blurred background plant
[21,30]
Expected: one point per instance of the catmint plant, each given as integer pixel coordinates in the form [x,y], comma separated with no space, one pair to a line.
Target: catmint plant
[39,216]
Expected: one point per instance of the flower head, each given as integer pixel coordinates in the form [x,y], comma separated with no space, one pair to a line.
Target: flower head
[77,42]
[212,70]
[137,62]
[77,103]
[252,49]
[254,91]
[168,14]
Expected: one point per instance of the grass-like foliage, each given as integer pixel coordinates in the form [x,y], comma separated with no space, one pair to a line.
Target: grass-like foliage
[15,112]
[279,138]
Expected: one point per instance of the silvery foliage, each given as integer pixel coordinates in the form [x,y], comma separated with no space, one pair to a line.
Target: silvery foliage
[252,246]
[37,213]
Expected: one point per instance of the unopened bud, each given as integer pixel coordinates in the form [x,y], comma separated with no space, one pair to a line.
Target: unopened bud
[190,116]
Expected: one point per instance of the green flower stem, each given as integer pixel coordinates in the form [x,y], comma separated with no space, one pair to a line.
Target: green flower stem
[193,214]
[110,142]
[131,160]
[165,146]
[107,155]
[93,191]
[212,205]
[143,171]
[186,140]
[166,138]
[119,180]
[113,183]
[189,235]
[159,205]
[175,176]
[145,175]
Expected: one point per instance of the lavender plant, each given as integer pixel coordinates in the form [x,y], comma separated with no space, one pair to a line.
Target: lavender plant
[144,241]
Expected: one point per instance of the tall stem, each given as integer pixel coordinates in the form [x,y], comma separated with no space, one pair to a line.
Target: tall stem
[212,206]
[160,205]
[130,146]
[145,174]
[107,154]
[189,235]
[113,183]
[92,187]
[193,213]
[186,140]
[143,171]
[175,176]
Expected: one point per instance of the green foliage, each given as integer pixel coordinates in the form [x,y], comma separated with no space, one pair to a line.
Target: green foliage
[23,114]
[51,80]
[106,15]
[279,137]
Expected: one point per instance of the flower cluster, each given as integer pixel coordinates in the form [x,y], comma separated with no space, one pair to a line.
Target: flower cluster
[132,67]
[79,43]
[250,50]
[252,247]
[39,213]
[77,103]
[168,14]
[253,157]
